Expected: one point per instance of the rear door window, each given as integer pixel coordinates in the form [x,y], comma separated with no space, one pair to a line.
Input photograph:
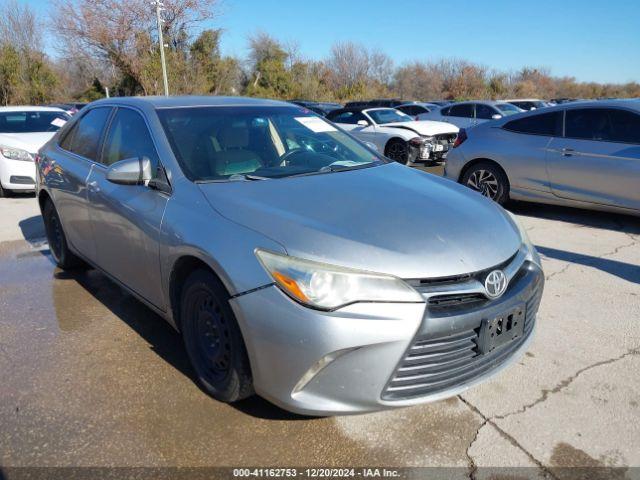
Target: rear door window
[588,124]
[484,112]
[464,110]
[549,124]
[84,138]
[625,126]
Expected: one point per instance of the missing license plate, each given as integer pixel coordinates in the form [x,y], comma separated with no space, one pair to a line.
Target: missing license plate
[502,329]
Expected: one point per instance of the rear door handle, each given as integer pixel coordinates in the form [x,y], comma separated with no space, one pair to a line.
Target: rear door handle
[93,186]
[568,152]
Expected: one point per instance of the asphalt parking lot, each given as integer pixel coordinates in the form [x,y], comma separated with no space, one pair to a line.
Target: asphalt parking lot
[90,377]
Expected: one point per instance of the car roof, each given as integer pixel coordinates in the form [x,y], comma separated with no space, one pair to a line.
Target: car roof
[628,103]
[28,108]
[420,104]
[482,102]
[523,100]
[159,102]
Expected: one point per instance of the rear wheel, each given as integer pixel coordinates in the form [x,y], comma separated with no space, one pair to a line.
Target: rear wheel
[488,179]
[213,339]
[397,150]
[58,245]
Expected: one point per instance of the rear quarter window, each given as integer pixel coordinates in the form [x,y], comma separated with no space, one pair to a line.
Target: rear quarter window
[549,124]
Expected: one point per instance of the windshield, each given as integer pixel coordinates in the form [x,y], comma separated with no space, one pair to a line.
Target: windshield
[32,122]
[254,143]
[507,108]
[388,115]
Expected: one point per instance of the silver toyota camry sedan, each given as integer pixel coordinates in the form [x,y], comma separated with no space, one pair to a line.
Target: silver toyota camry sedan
[297,263]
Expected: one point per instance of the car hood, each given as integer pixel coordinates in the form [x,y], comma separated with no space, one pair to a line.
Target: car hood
[31,142]
[425,127]
[387,219]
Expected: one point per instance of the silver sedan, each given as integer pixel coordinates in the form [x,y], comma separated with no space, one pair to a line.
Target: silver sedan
[287,254]
[582,154]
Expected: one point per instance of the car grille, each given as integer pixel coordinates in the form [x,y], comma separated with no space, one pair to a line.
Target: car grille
[435,364]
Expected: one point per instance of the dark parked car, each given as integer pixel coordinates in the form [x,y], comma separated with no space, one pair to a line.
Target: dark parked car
[378,102]
[321,108]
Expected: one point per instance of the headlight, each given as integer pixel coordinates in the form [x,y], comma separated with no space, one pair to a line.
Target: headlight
[15,154]
[327,287]
[532,253]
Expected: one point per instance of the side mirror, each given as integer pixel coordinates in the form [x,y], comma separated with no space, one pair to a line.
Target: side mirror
[363,123]
[496,116]
[130,171]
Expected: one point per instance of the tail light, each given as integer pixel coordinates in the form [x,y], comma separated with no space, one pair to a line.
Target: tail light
[462,136]
[37,158]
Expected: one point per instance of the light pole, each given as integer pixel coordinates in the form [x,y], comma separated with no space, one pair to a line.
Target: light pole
[159,6]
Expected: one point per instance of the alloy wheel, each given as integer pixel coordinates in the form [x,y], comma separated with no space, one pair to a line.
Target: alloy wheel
[397,151]
[485,182]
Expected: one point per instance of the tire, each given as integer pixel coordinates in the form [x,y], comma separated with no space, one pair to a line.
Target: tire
[57,239]
[488,179]
[213,339]
[397,150]
[3,192]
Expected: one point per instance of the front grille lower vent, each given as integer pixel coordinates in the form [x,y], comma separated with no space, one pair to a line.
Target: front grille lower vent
[433,365]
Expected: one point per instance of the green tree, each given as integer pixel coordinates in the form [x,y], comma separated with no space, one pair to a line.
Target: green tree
[10,79]
[270,77]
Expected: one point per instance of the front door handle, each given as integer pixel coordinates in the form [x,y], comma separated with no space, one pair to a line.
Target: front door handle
[568,152]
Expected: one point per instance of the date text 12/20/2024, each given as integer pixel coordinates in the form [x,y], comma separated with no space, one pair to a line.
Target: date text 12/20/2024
[316,472]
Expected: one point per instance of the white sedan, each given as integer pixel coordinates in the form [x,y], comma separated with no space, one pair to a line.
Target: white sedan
[397,135]
[23,131]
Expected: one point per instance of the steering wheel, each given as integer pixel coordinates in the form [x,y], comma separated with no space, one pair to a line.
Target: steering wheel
[285,158]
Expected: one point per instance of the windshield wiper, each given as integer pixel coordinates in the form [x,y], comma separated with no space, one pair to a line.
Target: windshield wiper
[246,176]
[335,168]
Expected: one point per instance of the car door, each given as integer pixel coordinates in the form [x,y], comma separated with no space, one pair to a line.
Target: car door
[598,159]
[521,145]
[461,115]
[69,167]
[127,219]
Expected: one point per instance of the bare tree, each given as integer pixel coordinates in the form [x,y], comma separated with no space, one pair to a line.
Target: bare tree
[380,67]
[349,64]
[115,30]
[20,27]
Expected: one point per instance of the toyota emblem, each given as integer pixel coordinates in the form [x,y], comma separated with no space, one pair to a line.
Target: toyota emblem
[495,284]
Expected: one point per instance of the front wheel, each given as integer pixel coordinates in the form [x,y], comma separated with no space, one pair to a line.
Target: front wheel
[397,150]
[213,340]
[488,179]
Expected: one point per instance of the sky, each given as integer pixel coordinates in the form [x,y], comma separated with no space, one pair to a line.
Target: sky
[592,40]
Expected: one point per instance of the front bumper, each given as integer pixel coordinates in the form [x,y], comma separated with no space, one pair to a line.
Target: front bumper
[326,363]
[17,174]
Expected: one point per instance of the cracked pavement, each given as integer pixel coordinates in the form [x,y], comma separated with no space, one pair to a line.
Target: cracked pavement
[90,377]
